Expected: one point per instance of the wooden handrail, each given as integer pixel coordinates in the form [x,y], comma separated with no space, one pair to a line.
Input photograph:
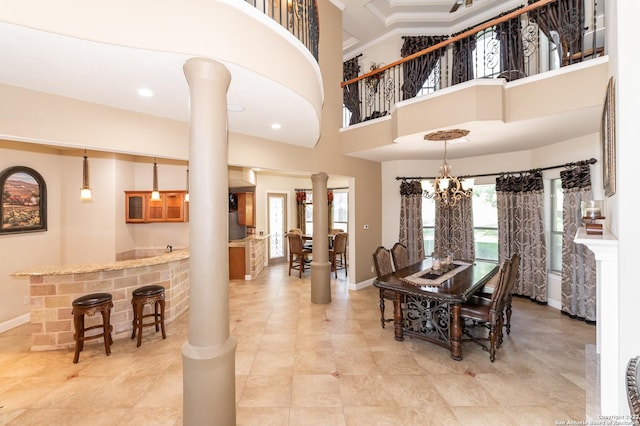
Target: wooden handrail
[451,40]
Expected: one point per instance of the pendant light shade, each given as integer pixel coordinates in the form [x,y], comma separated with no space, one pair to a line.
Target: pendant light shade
[155,194]
[85,192]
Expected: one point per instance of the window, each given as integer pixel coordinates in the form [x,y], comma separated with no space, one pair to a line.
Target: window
[341,210]
[557,228]
[487,54]
[428,224]
[432,83]
[485,222]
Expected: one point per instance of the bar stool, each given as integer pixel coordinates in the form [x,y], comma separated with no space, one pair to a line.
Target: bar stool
[91,304]
[153,295]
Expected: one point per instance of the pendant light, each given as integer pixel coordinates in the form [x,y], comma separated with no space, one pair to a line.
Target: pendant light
[448,189]
[155,194]
[186,196]
[85,192]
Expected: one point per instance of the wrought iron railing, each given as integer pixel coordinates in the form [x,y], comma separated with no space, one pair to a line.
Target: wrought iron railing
[299,17]
[538,37]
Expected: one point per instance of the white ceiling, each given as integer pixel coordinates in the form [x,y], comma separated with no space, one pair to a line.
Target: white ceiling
[110,75]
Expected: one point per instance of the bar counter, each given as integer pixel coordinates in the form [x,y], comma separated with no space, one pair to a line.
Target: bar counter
[53,288]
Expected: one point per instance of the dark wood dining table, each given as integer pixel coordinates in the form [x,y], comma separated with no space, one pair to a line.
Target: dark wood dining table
[432,313]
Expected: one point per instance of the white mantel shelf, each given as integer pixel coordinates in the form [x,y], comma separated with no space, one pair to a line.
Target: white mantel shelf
[605,246]
[605,249]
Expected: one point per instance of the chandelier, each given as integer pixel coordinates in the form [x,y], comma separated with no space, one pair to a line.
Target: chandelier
[447,189]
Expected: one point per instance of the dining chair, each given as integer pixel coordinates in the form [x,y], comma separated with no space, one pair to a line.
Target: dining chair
[633,392]
[400,255]
[383,264]
[508,296]
[488,315]
[297,253]
[338,253]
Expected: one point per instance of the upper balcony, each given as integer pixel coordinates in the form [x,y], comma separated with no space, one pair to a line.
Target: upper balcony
[101,52]
[529,71]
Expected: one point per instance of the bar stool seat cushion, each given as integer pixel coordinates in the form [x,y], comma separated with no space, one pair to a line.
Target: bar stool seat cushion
[91,300]
[148,290]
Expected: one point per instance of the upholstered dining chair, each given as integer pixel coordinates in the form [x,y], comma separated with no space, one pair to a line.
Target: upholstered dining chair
[400,255]
[297,253]
[633,392]
[508,295]
[383,264]
[338,253]
[488,315]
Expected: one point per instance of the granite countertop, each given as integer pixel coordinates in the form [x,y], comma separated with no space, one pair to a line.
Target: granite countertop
[252,237]
[100,267]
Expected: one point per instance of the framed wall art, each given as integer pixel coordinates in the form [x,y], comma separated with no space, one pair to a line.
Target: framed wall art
[24,200]
[608,136]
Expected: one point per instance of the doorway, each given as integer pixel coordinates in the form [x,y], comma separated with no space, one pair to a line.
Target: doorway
[277,226]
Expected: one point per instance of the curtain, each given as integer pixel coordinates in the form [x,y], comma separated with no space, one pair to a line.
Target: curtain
[578,262]
[411,219]
[509,34]
[301,197]
[454,230]
[566,17]
[416,71]
[351,92]
[330,210]
[462,66]
[521,230]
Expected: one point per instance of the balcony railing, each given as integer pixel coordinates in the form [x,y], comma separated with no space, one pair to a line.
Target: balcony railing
[299,17]
[539,37]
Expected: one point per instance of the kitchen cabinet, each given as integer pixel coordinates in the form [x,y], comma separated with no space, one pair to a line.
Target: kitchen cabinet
[171,207]
[246,208]
[237,263]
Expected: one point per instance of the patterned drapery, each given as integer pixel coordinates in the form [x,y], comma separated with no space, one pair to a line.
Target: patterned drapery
[411,219]
[454,230]
[351,92]
[416,71]
[521,230]
[578,262]
[462,66]
[565,17]
[330,210]
[301,197]
[509,33]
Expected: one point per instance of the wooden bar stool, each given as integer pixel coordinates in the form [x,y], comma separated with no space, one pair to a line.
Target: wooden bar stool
[90,305]
[154,296]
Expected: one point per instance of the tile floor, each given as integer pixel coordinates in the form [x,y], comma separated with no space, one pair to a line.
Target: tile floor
[303,364]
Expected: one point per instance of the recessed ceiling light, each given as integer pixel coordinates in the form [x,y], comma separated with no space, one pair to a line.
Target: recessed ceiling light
[144,92]
[276,126]
[235,108]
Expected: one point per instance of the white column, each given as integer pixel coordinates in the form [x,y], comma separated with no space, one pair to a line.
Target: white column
[208,356]
[605,249]
[320,266]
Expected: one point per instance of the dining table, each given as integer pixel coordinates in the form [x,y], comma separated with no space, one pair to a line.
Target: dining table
[427,300]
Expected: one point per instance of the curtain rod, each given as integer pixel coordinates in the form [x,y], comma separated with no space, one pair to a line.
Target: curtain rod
[328,189]
[577,163]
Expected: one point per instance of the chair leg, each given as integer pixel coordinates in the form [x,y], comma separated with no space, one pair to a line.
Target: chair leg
[106,329]
[492,343]
[382,321]
[508,323]
[164,334]
[78,321]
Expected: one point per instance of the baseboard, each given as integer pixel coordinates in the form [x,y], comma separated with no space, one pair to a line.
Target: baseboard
[14,322]
[554,304]
[361,285]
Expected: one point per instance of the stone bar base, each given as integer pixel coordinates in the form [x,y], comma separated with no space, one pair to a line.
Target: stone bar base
[52,292]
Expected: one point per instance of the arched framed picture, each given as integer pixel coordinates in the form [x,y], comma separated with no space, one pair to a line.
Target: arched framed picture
[24,200]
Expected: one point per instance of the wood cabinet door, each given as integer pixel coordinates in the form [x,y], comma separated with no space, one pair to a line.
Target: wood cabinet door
[236,263]
[174,207]
[246,209]
[156,209]
[135,206]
